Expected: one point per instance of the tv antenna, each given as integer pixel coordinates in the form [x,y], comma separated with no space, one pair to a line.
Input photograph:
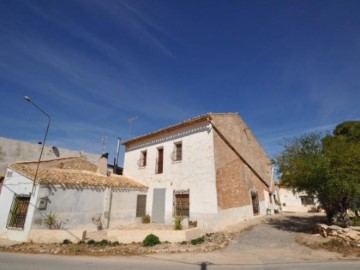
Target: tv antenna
[131,121]
[103,141]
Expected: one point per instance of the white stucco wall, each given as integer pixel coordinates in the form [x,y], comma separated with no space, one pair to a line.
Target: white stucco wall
[291,202]
[75,208]
[15,185]
[196,170]
[123,208]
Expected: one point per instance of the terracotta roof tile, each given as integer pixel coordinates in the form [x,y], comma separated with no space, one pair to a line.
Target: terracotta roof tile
[83,175]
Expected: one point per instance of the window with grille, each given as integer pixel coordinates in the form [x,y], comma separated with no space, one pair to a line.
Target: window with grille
[18,211]
[181,203]
[160,161]
[142,160]
[177,153]
[141,205]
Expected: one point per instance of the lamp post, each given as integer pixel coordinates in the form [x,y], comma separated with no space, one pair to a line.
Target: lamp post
[43,143]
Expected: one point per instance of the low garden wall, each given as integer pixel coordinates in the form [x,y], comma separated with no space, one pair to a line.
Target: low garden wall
[56,236]
[124,236]
[129,236]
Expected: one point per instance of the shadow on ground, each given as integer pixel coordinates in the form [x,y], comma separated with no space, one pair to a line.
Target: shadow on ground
[295,223]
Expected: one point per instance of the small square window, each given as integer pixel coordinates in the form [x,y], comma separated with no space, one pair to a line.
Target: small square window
[9,174]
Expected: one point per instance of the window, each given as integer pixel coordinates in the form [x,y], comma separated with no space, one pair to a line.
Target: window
[160,161]
[255,202]
[177,153]
[181,203]
[305,200]
[142,160]
[18,211]
[141,206]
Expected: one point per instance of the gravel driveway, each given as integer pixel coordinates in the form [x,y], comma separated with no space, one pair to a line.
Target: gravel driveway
[266,241]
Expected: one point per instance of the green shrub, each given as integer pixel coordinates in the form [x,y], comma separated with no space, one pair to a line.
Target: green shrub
[183,243]
[146,219]
[91,242]
[103,242]
[197,241]
[177,221]
[151,240]
[67,242]
[115,243]
[51,221]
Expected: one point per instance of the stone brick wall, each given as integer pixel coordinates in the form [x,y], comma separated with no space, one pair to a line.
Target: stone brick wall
[234,179]
[231,188]
[244,141]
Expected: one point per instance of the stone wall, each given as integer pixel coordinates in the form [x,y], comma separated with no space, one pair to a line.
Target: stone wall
[238,134]
[234,179]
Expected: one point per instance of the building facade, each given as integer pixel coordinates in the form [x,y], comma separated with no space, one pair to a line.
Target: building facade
[80,195]
[210,169]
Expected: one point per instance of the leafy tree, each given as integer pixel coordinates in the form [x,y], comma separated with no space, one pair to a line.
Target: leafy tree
[327,167]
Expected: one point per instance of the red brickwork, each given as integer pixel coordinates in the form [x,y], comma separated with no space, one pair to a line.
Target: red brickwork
[234,179]
[231,189]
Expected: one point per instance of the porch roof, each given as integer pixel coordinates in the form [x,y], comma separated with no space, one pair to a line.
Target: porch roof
[78,172]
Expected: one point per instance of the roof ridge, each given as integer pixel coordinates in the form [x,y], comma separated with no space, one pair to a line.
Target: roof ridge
[49,160]
[178,124]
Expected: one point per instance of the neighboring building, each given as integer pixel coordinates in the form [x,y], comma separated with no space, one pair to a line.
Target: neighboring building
[12,151]
[77,191]
[209,168]
[295,202]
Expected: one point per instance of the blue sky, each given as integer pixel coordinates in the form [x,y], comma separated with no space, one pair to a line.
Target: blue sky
[287,67]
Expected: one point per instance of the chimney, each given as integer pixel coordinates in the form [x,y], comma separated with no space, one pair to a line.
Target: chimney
[103,162]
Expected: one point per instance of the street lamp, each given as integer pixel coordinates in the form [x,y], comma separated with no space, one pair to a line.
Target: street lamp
[43,143]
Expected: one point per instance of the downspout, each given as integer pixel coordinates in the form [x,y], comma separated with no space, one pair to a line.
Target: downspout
[235,151]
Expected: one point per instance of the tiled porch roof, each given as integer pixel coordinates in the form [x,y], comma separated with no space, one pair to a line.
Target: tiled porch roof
[79,172]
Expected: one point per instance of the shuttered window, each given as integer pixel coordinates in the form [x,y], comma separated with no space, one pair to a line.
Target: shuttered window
[177,153]
[18,211]
[141,206]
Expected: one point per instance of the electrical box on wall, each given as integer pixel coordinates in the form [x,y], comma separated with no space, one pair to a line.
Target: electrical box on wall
[42,204]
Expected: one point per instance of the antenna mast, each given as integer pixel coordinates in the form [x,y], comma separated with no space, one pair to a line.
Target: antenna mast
[131,121]
[103,141]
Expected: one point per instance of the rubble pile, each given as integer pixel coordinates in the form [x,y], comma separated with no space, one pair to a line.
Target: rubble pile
[350,235]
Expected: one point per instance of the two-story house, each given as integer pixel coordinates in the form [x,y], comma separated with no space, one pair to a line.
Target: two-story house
[209,168]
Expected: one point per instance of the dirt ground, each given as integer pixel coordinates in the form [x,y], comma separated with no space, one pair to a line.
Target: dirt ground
[281,233]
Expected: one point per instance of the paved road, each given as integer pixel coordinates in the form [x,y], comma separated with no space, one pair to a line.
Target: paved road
[267,243]
[270,245]
[38,262]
